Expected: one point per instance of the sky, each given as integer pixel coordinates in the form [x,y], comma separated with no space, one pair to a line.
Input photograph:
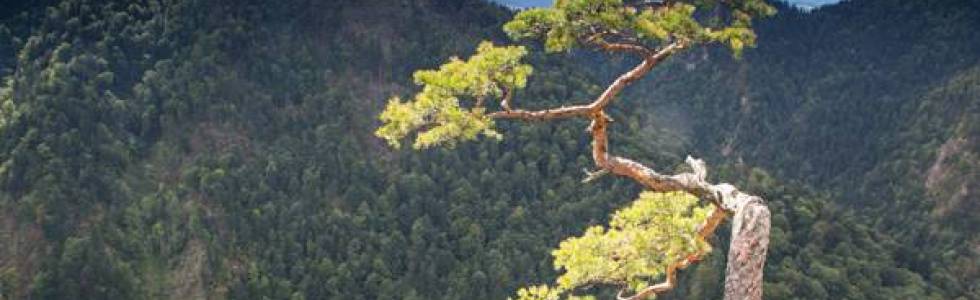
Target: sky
[531,3]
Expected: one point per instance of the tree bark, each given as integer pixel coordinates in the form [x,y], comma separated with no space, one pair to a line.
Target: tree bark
[747,250]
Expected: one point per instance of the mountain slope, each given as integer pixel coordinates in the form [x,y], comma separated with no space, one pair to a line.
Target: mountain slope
[188,149]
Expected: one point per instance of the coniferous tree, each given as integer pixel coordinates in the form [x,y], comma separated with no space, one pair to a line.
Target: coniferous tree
[661,233]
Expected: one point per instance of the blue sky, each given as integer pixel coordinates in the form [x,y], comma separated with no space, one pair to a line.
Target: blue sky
[530,3]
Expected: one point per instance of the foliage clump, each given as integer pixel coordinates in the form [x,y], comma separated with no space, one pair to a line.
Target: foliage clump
[655,231]
[491,72]
[575,23]
[438,111]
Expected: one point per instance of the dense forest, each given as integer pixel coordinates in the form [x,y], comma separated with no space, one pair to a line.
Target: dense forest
[193,149]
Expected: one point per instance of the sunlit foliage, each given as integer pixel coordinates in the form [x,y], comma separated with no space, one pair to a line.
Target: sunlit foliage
[642,240]
[488,73]
[438,110]
[573,23]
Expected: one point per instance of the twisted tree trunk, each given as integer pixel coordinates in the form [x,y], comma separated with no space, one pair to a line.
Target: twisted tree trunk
[750,226]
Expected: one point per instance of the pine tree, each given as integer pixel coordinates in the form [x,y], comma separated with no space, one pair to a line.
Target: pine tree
[666,229]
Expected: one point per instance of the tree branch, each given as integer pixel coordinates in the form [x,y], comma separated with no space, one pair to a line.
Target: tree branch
[599,40]
[650,61]
[622,47]
[540,115]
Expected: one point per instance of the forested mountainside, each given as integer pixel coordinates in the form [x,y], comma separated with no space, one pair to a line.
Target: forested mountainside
[223,149]
[875,101]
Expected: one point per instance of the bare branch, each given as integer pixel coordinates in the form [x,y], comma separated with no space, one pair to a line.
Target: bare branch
[593,175]
[636,73]
[540,115]
[622,47]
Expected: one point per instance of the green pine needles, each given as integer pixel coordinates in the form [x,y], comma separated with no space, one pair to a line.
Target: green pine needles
[573,23]
[642,240]
[437,112]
